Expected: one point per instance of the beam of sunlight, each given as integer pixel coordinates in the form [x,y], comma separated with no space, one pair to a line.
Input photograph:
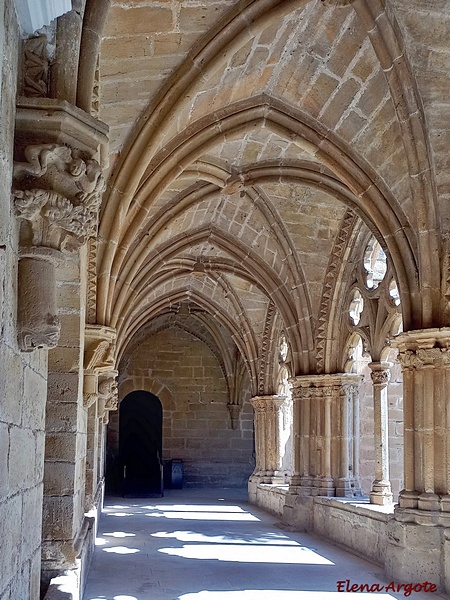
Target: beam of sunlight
[205,516]
[121,550]
[280,595]
[190,536]
[244,554]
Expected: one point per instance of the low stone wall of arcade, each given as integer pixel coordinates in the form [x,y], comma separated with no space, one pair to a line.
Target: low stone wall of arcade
[357,525]
[213,439]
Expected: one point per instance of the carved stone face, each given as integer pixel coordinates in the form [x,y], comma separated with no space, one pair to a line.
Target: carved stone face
[77,167]
[107,388]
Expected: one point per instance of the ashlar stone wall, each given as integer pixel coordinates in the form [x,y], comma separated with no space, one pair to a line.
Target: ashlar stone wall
[23,387]
[197,428]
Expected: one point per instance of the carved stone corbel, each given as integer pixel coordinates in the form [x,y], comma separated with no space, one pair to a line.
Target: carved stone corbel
[235,411]
[108,397]
[57,190]
[99,359]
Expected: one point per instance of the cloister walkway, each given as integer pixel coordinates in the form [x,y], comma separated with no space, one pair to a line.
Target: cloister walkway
[213,545]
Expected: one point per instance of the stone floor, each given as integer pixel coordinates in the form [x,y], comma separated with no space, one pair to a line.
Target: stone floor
[213,545]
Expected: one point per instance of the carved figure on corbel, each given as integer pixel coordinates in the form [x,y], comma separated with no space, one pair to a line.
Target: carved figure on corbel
[56,196]
[107,395]
[99,359]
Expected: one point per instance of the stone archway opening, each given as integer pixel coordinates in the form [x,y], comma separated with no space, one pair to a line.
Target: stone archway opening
[140,445]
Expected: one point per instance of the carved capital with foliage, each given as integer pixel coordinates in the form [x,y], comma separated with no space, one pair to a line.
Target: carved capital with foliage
[57,196]
[422,349]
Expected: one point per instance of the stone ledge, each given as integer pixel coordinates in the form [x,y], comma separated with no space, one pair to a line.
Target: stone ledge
[361,507]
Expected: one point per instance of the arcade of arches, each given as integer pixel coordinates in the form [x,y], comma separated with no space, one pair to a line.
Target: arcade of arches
[238,209]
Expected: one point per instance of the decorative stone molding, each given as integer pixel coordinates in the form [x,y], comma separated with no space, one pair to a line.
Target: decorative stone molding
[35,67]
[50,121]
[423,348]
[331,279]
[265,346]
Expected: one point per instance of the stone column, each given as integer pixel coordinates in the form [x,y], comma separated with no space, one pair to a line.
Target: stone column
[273,436]
[381,488]
[267,441]
[325,434]
[418,535]
[259,407]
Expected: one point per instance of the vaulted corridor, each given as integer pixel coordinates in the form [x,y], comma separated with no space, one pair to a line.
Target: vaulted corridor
[212,545]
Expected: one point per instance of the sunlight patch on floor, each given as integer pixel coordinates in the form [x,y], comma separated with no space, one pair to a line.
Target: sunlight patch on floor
[190,536]
[204,516]
[243,553]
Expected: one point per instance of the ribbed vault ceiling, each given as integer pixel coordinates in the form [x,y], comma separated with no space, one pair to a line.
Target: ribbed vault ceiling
[252,144]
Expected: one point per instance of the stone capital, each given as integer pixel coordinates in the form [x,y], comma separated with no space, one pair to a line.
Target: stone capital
[380,372]
[321,386]
[60,153]
[267,403]
[57,196]
[424,348]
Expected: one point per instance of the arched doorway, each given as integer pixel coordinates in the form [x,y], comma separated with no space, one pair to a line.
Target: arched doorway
[140,444]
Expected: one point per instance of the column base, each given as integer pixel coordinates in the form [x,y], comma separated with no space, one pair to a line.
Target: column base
[301,486]
[429,502]
[347,487]
[381,493]
[407,499]
[323,486]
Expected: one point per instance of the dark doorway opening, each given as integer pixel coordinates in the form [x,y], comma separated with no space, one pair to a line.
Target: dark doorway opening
[140,445]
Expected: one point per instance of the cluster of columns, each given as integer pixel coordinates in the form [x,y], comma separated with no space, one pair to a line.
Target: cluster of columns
[325,435]
[326,445]
[267,439]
